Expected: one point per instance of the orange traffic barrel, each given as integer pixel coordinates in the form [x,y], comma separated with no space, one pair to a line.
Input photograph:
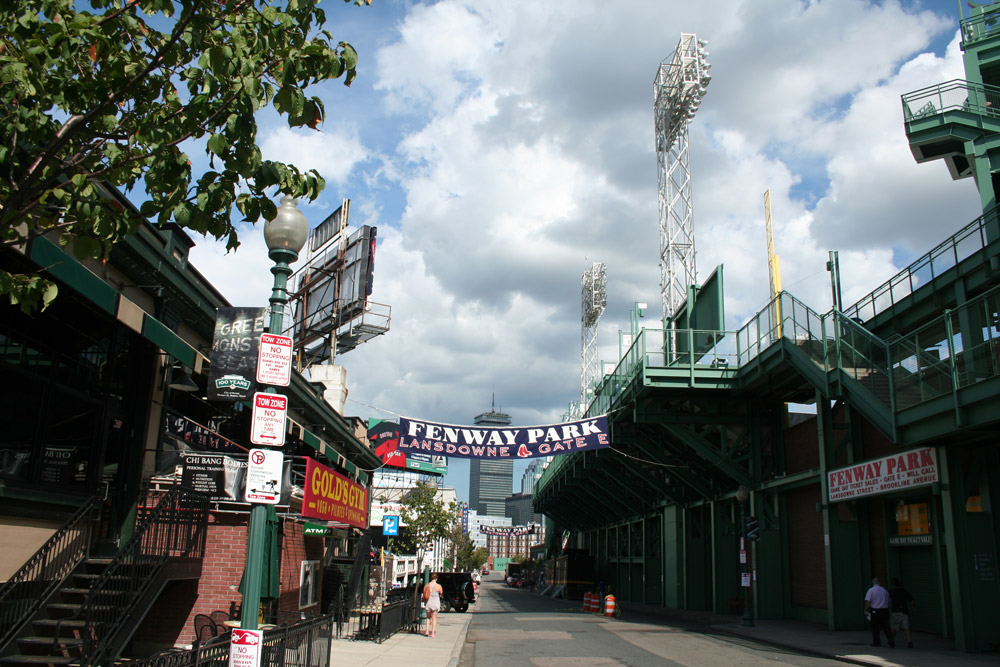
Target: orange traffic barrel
[609,605]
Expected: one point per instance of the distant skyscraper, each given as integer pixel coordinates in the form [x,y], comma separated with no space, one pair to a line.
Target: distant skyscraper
[532,474]
[490,482]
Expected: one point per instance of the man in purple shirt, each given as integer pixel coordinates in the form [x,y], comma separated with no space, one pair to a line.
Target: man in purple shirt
[877,611]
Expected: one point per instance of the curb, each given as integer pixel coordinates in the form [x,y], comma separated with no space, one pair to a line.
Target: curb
[456,652]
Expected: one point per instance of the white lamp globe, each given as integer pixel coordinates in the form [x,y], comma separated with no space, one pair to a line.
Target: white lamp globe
[289,228]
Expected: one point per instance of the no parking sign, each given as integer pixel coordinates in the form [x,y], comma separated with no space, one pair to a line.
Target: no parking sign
[264,476]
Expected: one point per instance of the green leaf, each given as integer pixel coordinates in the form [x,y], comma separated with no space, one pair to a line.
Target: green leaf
[218,144]
[350,55]
[86,247]
[283,100]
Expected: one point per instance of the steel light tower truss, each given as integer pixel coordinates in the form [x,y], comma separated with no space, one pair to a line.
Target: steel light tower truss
[594,298]
[681,82]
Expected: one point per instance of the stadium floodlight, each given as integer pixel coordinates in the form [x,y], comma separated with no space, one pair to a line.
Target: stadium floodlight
[681,82]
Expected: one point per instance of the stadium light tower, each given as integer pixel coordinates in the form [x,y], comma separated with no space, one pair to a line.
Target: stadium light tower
[681,82]
[594,298]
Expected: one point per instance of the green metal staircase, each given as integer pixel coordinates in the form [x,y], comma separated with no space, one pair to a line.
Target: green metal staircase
[937,372]
[914,386]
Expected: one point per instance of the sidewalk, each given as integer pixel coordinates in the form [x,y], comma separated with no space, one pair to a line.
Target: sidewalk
[407,649]
[814,638]
[853,647]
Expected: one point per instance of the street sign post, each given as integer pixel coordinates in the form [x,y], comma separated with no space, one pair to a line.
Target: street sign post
[274,360]
[267,424]
[264,476]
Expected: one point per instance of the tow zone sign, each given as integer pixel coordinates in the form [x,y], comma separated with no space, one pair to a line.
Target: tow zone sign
[244,649]
[267,424]
[274,360]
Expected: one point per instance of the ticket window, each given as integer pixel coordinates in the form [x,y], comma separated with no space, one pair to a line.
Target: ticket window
[913,518]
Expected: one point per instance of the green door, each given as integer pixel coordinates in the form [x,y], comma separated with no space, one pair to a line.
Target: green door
[919,576]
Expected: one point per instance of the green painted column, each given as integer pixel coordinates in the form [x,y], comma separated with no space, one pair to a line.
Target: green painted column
[842,542]
[673,557]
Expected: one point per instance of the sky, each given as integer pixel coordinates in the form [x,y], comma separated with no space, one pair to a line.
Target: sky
[501,148]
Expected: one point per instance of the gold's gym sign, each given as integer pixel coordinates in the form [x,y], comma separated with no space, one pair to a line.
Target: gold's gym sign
[330,496]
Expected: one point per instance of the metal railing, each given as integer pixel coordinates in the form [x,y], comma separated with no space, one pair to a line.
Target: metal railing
[967,241]
[176,526]
[863,356]
[956,350]
[954,95]
[980,26]
[304,644]
[28,588]
[378,622]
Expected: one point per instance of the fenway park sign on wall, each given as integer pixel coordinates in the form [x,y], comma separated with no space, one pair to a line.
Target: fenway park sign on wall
[898,472]
[502,442]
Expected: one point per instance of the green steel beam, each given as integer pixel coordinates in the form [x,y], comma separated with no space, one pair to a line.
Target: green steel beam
[678,473]
[649,482]
[619,507]
[710,453]
[616,481]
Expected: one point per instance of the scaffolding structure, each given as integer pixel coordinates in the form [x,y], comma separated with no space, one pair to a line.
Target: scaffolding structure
[681,82]
[593,300]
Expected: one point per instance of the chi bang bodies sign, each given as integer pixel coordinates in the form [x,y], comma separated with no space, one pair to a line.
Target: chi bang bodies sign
[502,442]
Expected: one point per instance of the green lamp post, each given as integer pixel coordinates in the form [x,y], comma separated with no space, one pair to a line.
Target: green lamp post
[284,235]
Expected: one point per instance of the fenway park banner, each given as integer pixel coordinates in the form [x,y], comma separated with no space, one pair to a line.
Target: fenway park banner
[502,442]
[506,530]
[898,472]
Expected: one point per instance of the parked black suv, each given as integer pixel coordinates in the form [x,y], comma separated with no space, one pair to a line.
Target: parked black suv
[459,591]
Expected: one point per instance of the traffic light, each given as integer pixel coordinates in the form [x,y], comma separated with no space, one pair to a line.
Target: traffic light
[752,529]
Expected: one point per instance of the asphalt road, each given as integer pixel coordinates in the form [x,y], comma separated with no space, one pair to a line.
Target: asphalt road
[516,627]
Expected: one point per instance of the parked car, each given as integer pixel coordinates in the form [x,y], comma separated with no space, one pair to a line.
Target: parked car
[459,591]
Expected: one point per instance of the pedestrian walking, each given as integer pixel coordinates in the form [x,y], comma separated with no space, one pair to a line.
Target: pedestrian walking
[901,601]
[877,610]
[432,605]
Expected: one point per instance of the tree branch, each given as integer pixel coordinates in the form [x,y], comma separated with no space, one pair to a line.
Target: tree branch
[78,121]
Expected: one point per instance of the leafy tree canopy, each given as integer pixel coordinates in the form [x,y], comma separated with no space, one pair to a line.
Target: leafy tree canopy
[426,518]
[96,92]
[471,557]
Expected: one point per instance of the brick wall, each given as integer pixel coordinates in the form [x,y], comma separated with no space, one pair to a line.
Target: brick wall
[295,549]
[171,620]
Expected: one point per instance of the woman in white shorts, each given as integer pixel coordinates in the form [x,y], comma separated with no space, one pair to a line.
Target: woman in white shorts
[432,600]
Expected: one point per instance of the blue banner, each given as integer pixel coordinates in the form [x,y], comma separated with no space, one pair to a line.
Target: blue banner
[502,442]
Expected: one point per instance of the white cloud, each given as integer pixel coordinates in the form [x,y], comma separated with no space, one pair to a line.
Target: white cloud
[520,138]
[334,154]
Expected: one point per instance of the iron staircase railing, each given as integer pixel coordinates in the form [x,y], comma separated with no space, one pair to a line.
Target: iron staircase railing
[27,590]
[175,527]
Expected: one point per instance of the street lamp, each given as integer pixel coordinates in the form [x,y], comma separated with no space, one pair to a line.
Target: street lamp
[284,235]
[742,496]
